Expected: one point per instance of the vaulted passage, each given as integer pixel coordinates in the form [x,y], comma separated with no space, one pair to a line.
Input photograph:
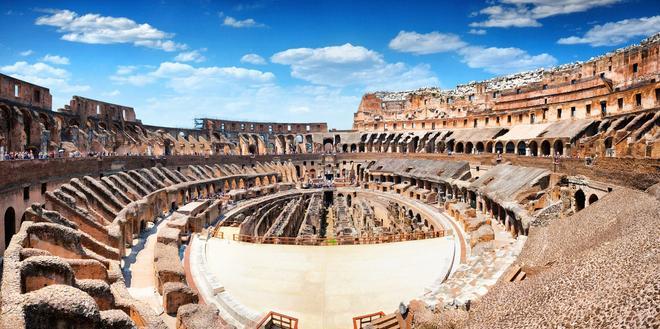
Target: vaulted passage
[10,225]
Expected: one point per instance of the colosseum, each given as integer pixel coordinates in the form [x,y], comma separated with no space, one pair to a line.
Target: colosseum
[529,200]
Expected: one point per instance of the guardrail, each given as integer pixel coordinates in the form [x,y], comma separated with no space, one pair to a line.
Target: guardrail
[274,320]
[313,241]
[359,322]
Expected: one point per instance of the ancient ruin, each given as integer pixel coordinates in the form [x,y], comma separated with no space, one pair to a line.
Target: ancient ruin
[527,200]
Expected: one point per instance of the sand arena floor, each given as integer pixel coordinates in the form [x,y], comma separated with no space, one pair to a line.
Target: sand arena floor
[326,286]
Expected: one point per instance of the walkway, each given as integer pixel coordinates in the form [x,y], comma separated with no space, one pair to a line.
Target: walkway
[138,272]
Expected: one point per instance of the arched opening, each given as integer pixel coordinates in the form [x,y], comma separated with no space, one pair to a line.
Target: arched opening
[499,147]
[468,147]
[593,198]
[533,148]
[480,147]
[414,144]
[510,147]
[579,200]
[353,148]
[459,147]
[252,149]
[489,147]
[608,143]
[559,147]
[522,148]
[298,171]
[545,148]
[344,148]
[450,146]
[10,225]
[27,126]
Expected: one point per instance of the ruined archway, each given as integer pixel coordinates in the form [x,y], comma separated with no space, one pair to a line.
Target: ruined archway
[468,147]
[593,198]
[579,200]
[545,148]
[559,147]
[533,148]
[480,147]
[10,225]
[459,147]
[499,147]
[510,148]
[522,148]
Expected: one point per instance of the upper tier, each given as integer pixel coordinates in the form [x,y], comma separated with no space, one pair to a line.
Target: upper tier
[624,69]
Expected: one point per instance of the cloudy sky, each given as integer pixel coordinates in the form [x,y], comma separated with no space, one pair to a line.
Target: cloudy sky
[269,60]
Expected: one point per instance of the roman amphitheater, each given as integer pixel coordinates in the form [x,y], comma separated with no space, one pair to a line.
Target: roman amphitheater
[524,201]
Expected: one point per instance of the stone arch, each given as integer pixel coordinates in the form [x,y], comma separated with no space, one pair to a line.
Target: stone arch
[545,148]
[450,146]
[5,129]
[521,148]
[353,148]
[533,148]
[593,198]
[608,142]
[468,147]
[579,200]
[510,147]
[344,148]
[489,147]
[10,224]
[499,147]
[559,147]
[480,147]
[459,147]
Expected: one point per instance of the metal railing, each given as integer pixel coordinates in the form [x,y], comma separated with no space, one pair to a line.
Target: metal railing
[313,241]
[274,320]
[359,322]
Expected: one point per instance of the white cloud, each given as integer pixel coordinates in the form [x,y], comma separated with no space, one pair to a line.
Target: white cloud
[477,31]
[183,78]
[299,109]
[615,33]
[126,69]
[526,13]
[55,78]
[253,59]
[26,53]
[113,93]
[429,43]
[349,65]
[55,59]
[97,29]
[191,56]
[504,60]
[239,23]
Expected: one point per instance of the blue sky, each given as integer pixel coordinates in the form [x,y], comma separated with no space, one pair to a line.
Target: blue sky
[269,60]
